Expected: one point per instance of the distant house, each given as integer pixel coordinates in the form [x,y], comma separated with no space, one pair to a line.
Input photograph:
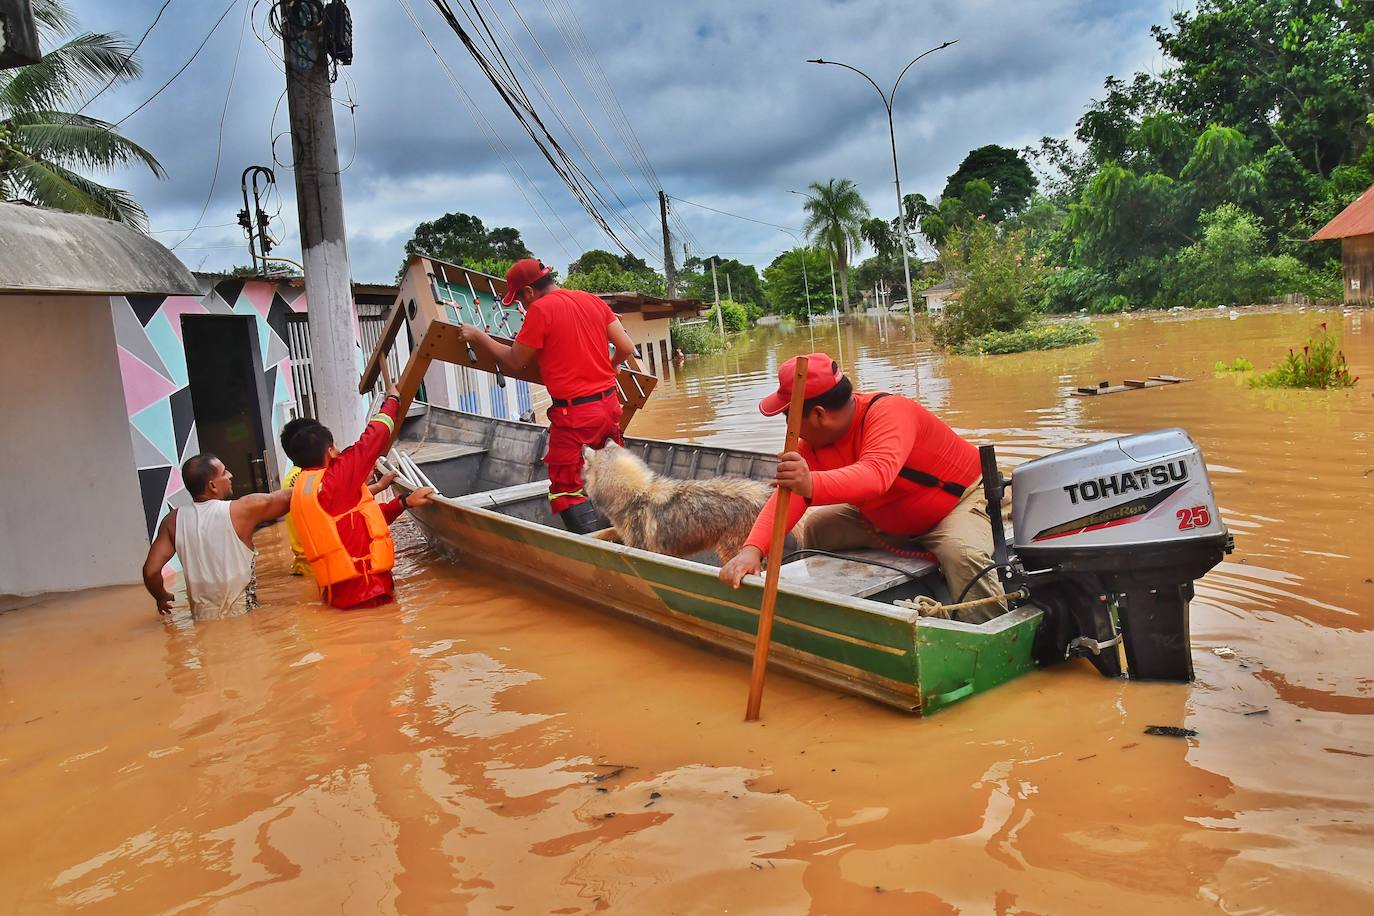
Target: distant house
[1354,226]
[936,296]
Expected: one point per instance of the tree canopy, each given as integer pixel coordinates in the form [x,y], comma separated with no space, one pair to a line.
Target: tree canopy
[1254,135]
[460,238]
[1006,174]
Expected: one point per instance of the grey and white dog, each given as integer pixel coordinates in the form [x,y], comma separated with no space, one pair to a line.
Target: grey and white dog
[667,515]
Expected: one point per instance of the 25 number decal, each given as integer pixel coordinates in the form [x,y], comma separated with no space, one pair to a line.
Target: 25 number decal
[1196,517]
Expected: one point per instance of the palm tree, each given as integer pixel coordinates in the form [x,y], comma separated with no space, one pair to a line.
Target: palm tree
[42,146]
[835,212]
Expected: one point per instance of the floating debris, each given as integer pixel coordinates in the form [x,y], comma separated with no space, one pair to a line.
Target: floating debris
[1224,652]
[1170,731]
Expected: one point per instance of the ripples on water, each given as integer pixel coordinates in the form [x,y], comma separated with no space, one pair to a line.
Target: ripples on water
[489,748]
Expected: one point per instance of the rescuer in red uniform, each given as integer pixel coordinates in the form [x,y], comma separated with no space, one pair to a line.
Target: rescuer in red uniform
[874,470]
[578,343]
[343,530]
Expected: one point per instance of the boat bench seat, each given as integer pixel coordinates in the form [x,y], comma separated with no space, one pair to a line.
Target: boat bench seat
[493,499]
[850,576]
[452,467]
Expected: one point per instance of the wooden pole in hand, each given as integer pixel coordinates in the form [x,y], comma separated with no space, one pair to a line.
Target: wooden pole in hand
[770,579]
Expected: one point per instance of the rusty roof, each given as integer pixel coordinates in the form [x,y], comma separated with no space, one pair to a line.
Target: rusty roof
[1356,219]
[651,306]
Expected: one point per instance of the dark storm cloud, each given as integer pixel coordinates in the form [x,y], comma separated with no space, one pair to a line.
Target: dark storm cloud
[718,93]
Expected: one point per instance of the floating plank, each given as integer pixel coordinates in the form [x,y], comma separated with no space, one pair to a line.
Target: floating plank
[1130,384]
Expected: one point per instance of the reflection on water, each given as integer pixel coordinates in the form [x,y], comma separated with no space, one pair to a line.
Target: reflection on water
[487,748]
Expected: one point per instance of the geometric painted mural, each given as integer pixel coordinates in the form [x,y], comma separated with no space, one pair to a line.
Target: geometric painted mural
[152,364]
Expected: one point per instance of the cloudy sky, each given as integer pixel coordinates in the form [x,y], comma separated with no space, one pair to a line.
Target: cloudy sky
[719,95]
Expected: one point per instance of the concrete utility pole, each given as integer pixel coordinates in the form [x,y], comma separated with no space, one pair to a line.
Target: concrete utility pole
[669,273]
[319,204]
[729,293]
[888,98]
[720,313]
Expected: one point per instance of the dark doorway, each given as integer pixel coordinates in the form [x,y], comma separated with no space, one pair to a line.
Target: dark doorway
[223,363]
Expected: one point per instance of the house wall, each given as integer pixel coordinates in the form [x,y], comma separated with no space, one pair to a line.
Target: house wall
[1357,260]
[70,516]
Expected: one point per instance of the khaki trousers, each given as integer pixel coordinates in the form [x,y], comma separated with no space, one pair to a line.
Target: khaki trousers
[961,543]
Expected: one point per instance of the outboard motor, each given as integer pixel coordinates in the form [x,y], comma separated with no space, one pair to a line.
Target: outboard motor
[1108,540]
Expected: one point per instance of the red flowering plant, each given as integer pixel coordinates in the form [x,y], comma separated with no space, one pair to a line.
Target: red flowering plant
[1320,365]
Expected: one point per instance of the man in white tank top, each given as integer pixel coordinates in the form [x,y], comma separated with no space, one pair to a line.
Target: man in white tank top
[214,539]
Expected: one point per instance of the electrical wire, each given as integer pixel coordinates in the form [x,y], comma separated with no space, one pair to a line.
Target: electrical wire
[219,142]
[128,58]
[642,235]
[735,215]
[528,117]
[553,68]
[632,224]
[181,70]
[493,138]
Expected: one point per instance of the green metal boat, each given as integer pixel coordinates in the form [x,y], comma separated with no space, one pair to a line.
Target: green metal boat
[836,623]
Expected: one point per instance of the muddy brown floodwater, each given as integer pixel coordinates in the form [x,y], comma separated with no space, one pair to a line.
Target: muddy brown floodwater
[483,747]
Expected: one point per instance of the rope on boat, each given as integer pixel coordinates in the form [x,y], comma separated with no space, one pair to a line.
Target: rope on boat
[927,606]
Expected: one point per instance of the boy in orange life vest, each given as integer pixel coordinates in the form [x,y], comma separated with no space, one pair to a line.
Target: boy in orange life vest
[880,470]
[342,528]
[571,334]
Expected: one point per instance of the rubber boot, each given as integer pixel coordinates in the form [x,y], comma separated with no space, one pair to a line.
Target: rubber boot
[583,518]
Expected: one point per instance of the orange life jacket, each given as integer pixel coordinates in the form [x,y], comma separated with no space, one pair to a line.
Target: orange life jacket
[330,560]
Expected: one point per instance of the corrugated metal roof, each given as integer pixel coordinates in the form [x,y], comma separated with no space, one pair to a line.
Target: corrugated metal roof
[49,251]
[1356,219]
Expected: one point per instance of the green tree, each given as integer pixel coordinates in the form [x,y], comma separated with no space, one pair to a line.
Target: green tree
[44,148]
[603,278]
[460,238]
[694,280]
[597,257]
[835,212]
[1008,176]
[785,282]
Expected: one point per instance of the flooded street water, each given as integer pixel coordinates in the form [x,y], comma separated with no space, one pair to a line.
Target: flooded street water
[484,747]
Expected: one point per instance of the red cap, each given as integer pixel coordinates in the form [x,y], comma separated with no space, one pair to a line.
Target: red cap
[822,374]
[521,274]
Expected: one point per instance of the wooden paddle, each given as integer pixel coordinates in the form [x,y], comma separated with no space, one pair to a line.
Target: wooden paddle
[770,579]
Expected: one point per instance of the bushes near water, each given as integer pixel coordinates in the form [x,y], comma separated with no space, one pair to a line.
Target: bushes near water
[1038,337]
[738,316]
[695,338]
[1321,364]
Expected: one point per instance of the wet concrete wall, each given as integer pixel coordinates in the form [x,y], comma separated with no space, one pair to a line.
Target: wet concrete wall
[70,516]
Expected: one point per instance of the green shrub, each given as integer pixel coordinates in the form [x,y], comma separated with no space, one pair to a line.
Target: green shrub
[1112,305]
[605,279]
[1320,365]
[695,338]
[1039,337]
[1239,364]
[736,316]
[1000,284]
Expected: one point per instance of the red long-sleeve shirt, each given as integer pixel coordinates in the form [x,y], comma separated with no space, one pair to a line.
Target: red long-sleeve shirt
[861,469]
[343,481]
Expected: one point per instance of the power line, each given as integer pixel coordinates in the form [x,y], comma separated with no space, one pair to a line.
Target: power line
[645,235]
[493,138]
[182,69]
[638,230]
[736,215]
[219,142]
[508,87]
[129,58]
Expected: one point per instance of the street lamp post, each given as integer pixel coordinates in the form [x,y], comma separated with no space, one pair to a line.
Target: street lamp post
[888,98]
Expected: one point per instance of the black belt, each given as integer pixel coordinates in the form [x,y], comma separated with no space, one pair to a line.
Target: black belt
[930,480]
[585,399]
